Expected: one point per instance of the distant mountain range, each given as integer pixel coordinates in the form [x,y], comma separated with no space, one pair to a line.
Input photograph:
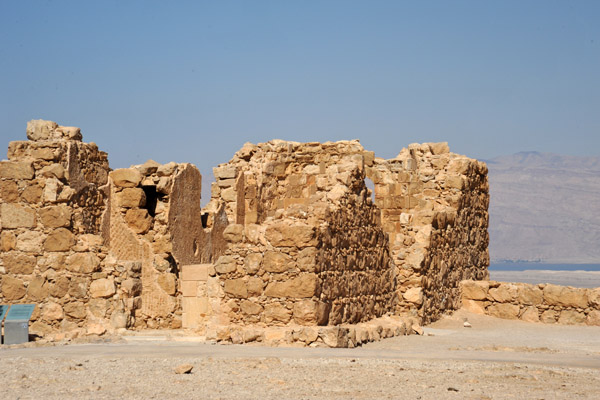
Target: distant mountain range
[544,207]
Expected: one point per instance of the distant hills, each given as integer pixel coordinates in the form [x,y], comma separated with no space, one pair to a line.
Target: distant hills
[544,207]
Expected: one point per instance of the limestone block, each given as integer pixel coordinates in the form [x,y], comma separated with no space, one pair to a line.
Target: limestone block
[571,317]
[8,241]
[475,290]
[60,239]
[32,194]
[255,286]
[286,234]
[30,241]
[414,295]
[126,177]
[99,307]
[195,272]
[594,297]
[225,265]
[78,288]
[228,195]
[132,287]
[549,317]
[131,197]
[505,293]
[305,312]
[307,335]
[593,318]
[60,287]
[305,285]
[119,319]
[236,288]
[53,171]
[39,129]
[168,283]
[504,310]
[75,309]
[37,289]
[252,263]
[149,167]
[234,233]
[439,148]
[189,288]
[52,311]
[530,314]
[55,216]
[474,306]
[17,170]
[274,261]
[250,307]
[277,313]
[17,216]
[102,288]
[164,185]
[167,169]
[307,259]
[12,288]
[529,294]
[9,191]
[95,329]
[138,220]
[225,172]
[565,296]
[82,262]
[334,336]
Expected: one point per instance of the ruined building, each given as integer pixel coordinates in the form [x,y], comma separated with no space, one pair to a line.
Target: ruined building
[292,247]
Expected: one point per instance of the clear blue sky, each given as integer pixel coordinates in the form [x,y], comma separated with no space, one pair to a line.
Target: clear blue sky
[193,81]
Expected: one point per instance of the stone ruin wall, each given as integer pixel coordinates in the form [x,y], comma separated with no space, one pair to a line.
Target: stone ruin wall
[434,208]
[547,303]
[290,238]
[306,245]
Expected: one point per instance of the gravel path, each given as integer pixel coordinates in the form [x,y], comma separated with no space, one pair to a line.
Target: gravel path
[495,359]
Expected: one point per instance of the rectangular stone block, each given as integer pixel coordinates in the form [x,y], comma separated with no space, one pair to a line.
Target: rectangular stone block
[195,272]
[189,288]
[17,216]
[195,310]
[16,170]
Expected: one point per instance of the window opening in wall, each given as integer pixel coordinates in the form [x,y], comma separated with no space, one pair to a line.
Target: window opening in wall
[204,219]
[151,199]
[371,186]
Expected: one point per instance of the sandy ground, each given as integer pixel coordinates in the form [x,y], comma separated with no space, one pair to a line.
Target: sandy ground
[494,359]
[583,279]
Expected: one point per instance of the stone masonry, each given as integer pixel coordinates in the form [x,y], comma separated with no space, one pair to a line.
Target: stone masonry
[293,247]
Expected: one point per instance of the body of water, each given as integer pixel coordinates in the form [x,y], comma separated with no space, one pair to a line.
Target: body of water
[531,266]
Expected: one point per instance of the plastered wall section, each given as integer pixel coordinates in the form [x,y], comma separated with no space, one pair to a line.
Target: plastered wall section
[547,303]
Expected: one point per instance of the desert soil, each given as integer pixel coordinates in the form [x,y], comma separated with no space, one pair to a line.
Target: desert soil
[494,359]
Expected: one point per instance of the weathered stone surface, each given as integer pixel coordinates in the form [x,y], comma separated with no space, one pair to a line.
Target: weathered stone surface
[55,216]
[131,198]
[571,317]
[9,191]
[593,318]
[250,307]
[305,285]
[505,293]
[306,312]
[75,309]
[52,311]
[138,220]
[30,241]
[474,306]
[12,288]
[277,313]
[39,129]
[149,167]
[168,283]
[504,310]
[285,235]
[274,261]
[236,288]
[60,239]
[32,193]
[255,286]
[103,288]
[60,287]
[565,296]
[133,287]
[18,263]
[16,170]
[594,297]
[184,369]
[234,233]
[8,241]
[252,263]
[82,262]
[530,314]
[530,295]
[126,177]
[549,317]
[414,295]
[225,265]
[37,289]
[17,216]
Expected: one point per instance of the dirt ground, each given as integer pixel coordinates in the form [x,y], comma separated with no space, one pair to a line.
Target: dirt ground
[494,359]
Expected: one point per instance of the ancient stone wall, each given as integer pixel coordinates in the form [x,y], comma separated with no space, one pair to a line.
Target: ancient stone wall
[434,208]
[545,303]
[307,247]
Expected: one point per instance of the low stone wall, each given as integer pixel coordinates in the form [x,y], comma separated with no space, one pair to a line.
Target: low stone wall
[545,303]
